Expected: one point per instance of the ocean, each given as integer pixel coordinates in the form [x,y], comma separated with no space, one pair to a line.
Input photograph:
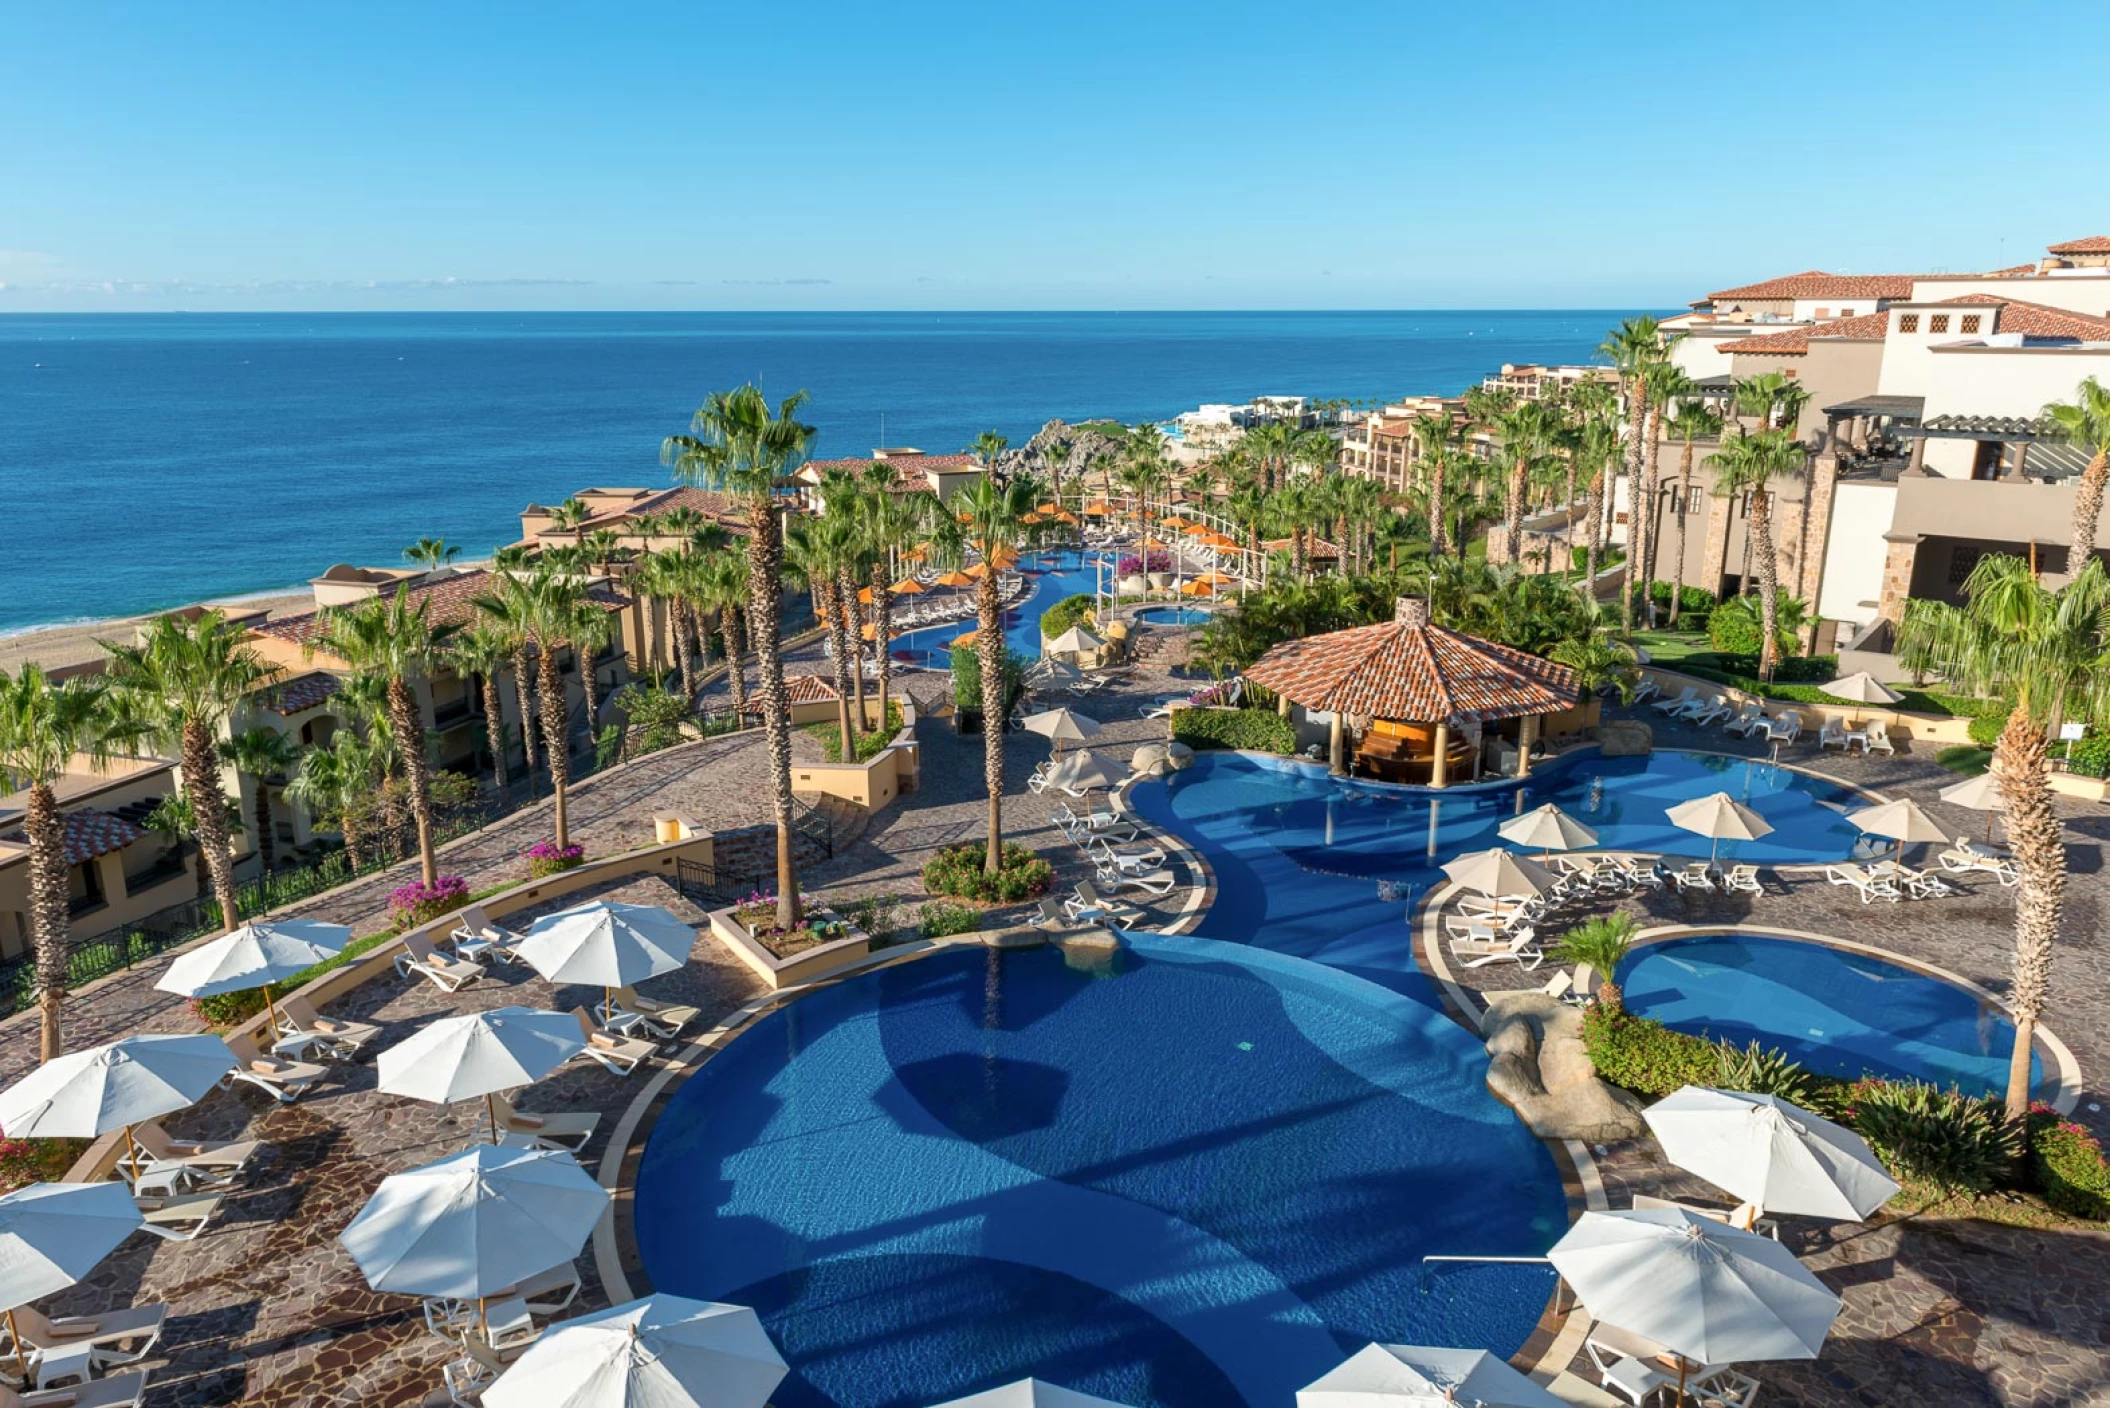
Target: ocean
[152,460]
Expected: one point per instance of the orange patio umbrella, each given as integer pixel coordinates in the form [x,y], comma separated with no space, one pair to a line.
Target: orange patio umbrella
[916,554]
[1065,517]
[1179,523]
[907,586]
[1198,530]
[1031,517]
[1097,508]
[1050,508]
[967,639]
[1216,579]
[1197,587]
[956,579]
[1152,544]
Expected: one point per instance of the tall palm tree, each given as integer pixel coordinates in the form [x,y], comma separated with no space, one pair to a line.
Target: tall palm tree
[480,651]
[1432,434]
[993,517]
[2049,652]
[892,524]
[1692,422]
[431,553]
[814,550]
[1666,385]
[507,610]
[1635,347]
[1055,455]
[334,780]
[182,681]
[43,726]
[988,446]
[553,602]
[1748,464]
[262,753]
[1599,450]
[722,587]
[393,639]
[743,446]
[589,632]
[571,517]
[2084,423]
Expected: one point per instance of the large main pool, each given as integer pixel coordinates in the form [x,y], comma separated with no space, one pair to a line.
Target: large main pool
[1054,574]
[1188,1175]
[1330,869]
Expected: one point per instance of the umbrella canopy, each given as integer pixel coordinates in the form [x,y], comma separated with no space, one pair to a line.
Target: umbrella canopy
[1773,1155]
[659,1352]
[1978,794]
[481,1053]
[955,579]
[1719,817]
[1054,671]
[53,1234]
[1901,821]
[607,945]
[1062,725]
[1862,688]
[254,956]
[969,639]
[1423,1376]
[87,1093]
[474,1223]
[1029,1393]
[1549,828]
[1500,872]
[1197,587]
[1084,769]
[907,586]
[1074,639]
[1712,1293]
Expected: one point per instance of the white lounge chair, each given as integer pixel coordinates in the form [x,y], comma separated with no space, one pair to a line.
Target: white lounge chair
[1832,735]
[1521,947]
[1153,882]
[1786,727]
[1696,876]
[1869,885]
[567,1130]
[477,935]
[1646,690]
[117,1391]
[221,1157]
[1877,738]
[1088,907]
[663,1019]
[1965,858]
[1742,879]
[448,973]
[284,1079]
[621,1054]
[180,1219]
[338,1038]
[1751,716]
[1683,700]
[1713,711]
[114,1337]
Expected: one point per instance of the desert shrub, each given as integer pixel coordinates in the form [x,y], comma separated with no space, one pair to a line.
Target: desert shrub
[1957,1142]
[937,919]
[549,858]
[877,914]
[1760,1070]
[1070,611]
[957,871]
[1260,730]
[2067,1162]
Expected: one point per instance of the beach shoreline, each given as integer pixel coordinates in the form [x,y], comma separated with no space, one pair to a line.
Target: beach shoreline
[64,643]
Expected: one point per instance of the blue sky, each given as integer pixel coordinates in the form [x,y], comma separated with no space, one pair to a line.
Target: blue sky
[1082,155]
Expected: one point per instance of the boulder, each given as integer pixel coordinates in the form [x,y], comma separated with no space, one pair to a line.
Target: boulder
[1625,738]
[1537,1065]
[1179,755]
[1154,759]
[1016,936]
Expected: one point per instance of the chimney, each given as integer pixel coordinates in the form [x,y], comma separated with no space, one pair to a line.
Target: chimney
[1411,610]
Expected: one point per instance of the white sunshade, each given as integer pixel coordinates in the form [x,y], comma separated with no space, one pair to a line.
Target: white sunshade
[1062,725]
[254,955]
[1074,639]
[1862,688]
[1423,1376]
[607,945]
[1770,1153]
[660,1352]
[1978,794]
[1500,872]
[1054,671]
[87,1093]
[1085,769]
[481,1053]
[1029,1393]
[53,1234]
[1549,828]
[1719,817]
[1712,1293]
[1901,820]
[475,1223]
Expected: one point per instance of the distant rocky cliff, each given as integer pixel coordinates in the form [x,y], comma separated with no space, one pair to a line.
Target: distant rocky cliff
[1085,446]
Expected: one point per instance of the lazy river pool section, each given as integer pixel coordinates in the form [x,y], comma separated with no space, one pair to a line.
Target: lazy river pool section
[1330,869]
[1054,574]
[1181,1175]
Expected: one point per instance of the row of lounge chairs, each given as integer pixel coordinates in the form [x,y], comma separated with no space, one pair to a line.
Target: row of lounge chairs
[1750,720]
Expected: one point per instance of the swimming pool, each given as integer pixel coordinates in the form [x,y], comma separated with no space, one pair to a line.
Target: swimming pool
[1172,616]
[1330,868]
[1185,1176]
[1055,575]
[1837,1012]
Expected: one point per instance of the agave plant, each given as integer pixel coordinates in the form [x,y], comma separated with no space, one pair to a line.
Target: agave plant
[1957,1142]
[1760,1070]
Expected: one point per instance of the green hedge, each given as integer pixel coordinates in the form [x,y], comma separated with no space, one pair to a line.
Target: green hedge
[2068,1163]
[1645,1056]
[1692,602]
[957,871]
[2091,756]
[1070,611]
[1258,730]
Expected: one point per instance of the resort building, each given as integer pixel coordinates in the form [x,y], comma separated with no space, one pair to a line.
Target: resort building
[914,472]
[119,870]
[1529,382]
[1382,447]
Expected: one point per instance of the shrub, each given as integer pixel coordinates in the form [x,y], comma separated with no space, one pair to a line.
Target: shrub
[1692,601]
[1260,730]
[26,1161]
[418,903]
[1131,565]
[1985,729]
[549,858]
[957,871]
[937,919]
[1954,1141]
[967,679]
[879,915]
[1070,611]
[2068,1165]
[1965,759]
[2091,756]
[1759,1070]
[1645,1056]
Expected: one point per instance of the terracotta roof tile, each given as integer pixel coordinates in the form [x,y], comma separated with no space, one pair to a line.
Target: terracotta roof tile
[1414,672]
[452,601]
[801,689]
[301,692]
[1868,327]
[1815,283]
[90,833]
[2037,320]
[2094,244]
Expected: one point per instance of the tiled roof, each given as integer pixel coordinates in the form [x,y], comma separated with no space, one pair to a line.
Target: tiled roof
[1815,283]
[2094,244]
[727,509]
[1415,672]
[908,469]
[451,601]
[1868,327]
[1393,429]
[2036,320]
[90,833]
[800,689]
[301,692]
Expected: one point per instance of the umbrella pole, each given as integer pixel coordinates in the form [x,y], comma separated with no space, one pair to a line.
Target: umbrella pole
[491,1109]
[271,1008]
[138,1164]
[1683,1367]
[21,1350]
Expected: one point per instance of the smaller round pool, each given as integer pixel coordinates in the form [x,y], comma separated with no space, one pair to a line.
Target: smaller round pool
[1171,616]
[1837,1012]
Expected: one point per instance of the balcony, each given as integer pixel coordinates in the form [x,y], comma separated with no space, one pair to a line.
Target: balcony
[452,713]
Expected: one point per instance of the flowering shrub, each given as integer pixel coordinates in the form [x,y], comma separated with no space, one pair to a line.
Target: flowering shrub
[957,871]
[417,903]
[26,1161]
[938,918]
[2068,1163]
[548,858]
[1132,565]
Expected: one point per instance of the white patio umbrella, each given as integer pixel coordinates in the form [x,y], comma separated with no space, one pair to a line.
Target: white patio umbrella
[607,945]
[1075,639]
[1707,1292]
[1719,817]
[1423,1376]
[1549,828]
[1029,1393]
[1062,726]
[659,1352]
[1901,821]
[255,956]
[480,1054]
[1052,671]
[474,1223]
[1500,872]
[1862,688]
[84,1094]
[51,1235]
[1083,770]
[1775,1156]
[1977,794]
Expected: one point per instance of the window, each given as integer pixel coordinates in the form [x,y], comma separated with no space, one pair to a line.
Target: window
[1908,322]
[1846,312]
[1793,372]
[1823,313]
[1938,323]
[1971,322]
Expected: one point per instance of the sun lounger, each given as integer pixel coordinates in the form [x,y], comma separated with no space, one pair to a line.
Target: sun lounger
[1868,884]
[1832,735]
[1088,907]
[663,1019]
[621,1054]
[223,1155]
[1713,711]
[1050,915]
[117,1391]
[1695,876]
[1919,884]
[181,1219]
[1751,716]
[1685,699]
[1521,947]
[283,1078]
[566,1130]
[1876,738]
[1153,883]
[115,1336]
[1742,878]
[448,973]
[476,935]
[338,1038]
[1966,859]
[1646,690]
[1785,728]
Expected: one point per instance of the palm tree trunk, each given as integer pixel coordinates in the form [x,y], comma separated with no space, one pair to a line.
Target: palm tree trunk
[51,924]
[765,561]
[854,635]
[524,686]
[495,726]
[1595,550]
[729,619]
[1513,514]
[2040,854]
[1677,582]
[1439,538]
[1643,513]
[829,597]
[677,610]
[989,644]
[554,742]
[208,805]
[590,684]
[266,842]
[1768,582]
[410,746]
[882,630]
[2087,510]
[1568,512]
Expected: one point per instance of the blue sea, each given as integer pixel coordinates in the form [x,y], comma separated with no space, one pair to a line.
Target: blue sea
[153,460]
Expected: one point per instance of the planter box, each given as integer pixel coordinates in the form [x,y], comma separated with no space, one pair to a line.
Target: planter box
[802,967]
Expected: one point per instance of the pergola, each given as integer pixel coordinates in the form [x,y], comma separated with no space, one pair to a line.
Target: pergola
[1415,681]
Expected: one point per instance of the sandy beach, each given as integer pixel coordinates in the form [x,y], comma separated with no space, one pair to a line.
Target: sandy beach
[75,644]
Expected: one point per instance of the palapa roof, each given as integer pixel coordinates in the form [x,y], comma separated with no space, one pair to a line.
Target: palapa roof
[1412,670]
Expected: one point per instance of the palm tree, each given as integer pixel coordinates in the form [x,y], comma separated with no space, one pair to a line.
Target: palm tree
[507,611]
[2050,653]
[172,821]
[992,515]
[893,523]
[742,446]
[590,630]
[1692,422]
[988,446]
[722,587]
[571,517]
[1749,464]
[814,550]
[602,547]
[1055,455]
[431,553]
[2084,423]
[182,680]
[43,726]
[1666,386]
[1600,662]
[1599,449]
[262,753]
[552,602]
[1635,347]
[334,781]
[479,652]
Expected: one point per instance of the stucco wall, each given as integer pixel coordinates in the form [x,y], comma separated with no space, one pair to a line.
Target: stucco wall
[1853,560]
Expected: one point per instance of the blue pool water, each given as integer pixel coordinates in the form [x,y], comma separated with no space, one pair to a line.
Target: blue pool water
[1189,1175]
[1054,575]
[1172,616]
[1329,868]
[1836,1012]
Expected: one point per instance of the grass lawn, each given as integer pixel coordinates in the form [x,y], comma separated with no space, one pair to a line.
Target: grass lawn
[870,744]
